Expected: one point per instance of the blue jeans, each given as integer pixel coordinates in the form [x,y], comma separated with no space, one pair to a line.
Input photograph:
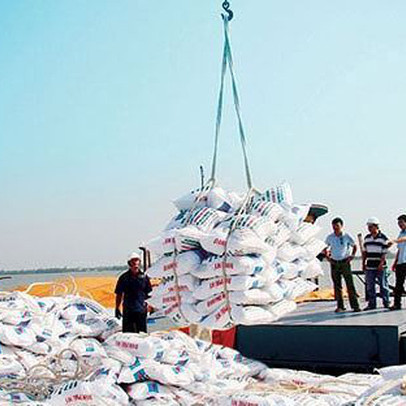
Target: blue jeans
[373,276]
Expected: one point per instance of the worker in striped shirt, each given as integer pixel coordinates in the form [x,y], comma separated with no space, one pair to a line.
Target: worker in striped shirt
[376,246]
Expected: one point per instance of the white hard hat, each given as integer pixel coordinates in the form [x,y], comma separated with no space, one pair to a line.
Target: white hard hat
[134,255]
[373,220]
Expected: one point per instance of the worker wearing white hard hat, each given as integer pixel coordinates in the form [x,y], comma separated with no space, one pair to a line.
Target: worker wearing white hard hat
[373,221]
[376,245]
[132,290]
[134,255]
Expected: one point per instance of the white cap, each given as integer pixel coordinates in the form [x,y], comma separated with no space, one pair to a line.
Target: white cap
[134,255]
[373,220]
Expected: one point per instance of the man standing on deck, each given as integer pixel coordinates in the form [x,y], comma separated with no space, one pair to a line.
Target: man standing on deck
[399,265]
[376,246]
[340,251]
[134,287]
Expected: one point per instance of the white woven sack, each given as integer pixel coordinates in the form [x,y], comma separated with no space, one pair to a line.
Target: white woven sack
[289,252]
[182,314]
[219,199]
[271,211]
[18,336]
[215,242]
[244,265]
[219,319]
[178,221]
[188,238]
[262,226]
[163,244]
[205,219]
[135,344]
[165,374]
[276,291]
[210,287]
[251,315]
[282,308]
[251,297]
[279,194]
[189,200]
[7,350]
[170,299]
[209,305]
[311,269]
[313,248]
[392,372]
[288,270]
[246,242]
[76,393]
[240,242]
[186,262]
[280,236]
[10,366]
[294,216]
[215,198]
[147,390]
[295,288]
[304,233]
[89,350]
[186,283]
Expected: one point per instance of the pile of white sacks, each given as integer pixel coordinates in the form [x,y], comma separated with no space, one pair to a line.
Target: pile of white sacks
[227,259]
[67,351]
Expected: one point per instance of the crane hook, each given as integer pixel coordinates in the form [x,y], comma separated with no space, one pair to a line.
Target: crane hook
[226,7]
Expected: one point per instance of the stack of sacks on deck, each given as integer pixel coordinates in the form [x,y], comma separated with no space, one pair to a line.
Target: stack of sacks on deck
[162,368]
[173,369]
[226,259]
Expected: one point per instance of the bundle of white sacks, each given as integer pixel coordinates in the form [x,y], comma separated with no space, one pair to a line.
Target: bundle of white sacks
[226,259]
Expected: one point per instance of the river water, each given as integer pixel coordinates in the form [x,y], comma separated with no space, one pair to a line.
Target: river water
[27,279]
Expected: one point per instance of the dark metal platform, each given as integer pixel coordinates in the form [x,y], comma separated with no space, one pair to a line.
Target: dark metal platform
[317,339]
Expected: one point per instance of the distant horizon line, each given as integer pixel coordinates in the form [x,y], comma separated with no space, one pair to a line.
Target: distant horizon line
[63,269]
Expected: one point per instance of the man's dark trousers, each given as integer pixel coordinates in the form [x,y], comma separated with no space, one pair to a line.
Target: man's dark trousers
[339,270]
[400,280]
[134,322]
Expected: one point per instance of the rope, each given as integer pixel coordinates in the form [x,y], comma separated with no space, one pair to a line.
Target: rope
[293,387]
[75,286]
[219,112]
[237,105]
[53,284]
[38,386]
[227,61]
[74,290]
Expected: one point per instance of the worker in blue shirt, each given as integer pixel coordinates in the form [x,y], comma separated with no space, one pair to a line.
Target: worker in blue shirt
[132,289]
[340,251]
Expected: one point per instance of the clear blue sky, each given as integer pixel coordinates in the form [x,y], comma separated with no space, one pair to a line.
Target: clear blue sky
[107,109]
